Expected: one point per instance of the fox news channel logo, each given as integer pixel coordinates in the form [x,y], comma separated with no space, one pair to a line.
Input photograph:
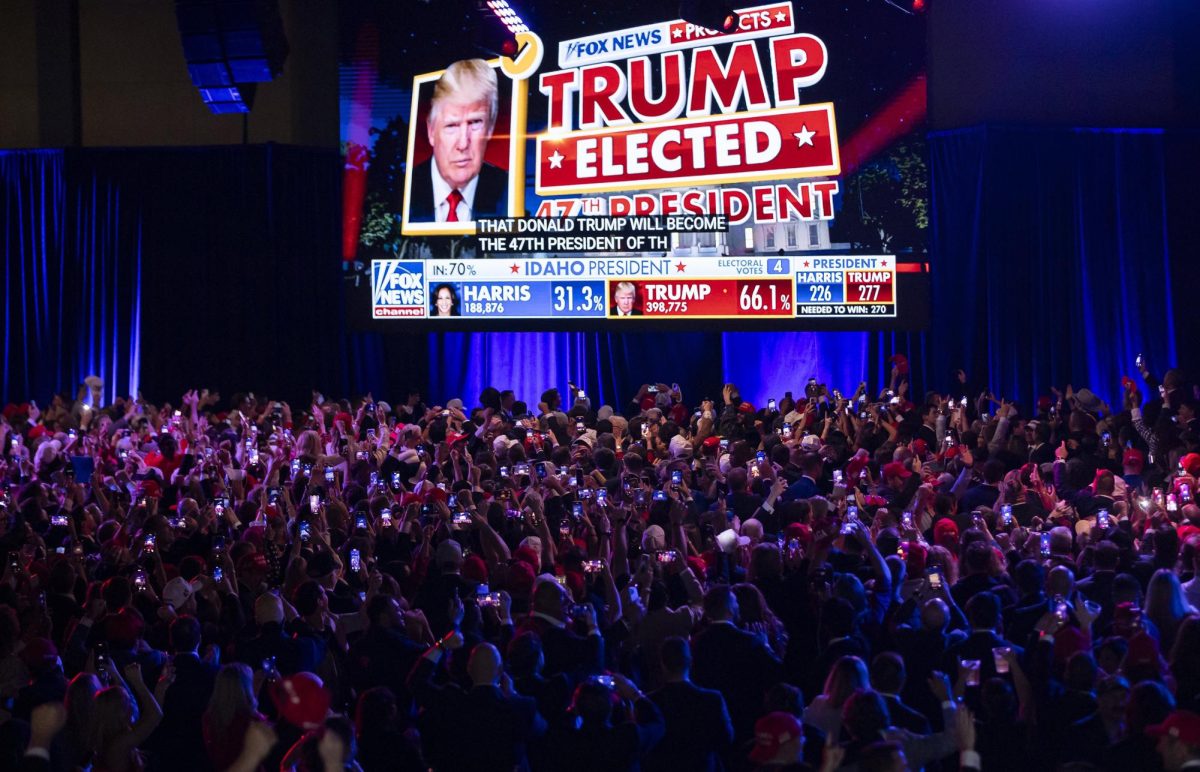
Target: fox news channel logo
[627,42]
[397,288]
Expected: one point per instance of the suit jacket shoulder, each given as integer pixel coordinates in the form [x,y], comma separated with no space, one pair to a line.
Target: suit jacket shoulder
[491,194]
[420,200]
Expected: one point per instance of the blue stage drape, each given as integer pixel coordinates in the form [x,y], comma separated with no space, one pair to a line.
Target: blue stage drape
[166,269]
[612,366]
[1049,266]
[1050,257]
[72,266]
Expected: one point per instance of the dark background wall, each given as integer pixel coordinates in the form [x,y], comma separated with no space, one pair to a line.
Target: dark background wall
[1029,62]
[131,85]
[1063,62]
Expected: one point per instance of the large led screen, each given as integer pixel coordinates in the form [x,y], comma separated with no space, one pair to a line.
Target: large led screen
[544,165]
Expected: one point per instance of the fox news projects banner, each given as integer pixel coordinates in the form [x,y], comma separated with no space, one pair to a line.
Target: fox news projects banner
[646,174]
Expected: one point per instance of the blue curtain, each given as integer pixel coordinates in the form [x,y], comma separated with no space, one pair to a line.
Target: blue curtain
[164,269]
[612,366]
[765,365]
[72,290]
[169,269]
[1049,266]
[609,366]
[1051,262]
[242,269]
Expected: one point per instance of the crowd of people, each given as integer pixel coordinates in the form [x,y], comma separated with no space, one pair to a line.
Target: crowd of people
[839,581]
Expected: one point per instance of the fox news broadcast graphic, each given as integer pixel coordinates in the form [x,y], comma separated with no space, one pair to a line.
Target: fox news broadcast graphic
[550,167]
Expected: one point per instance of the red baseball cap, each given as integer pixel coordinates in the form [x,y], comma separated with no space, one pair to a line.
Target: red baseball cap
[520,579]
[1191,464]
[1183,725]
[945,529]
[896,469]
[1143,650]
[915,556]
[799,531]
[857,462]
[1133,457]
[527,555]
[772,732]
[474,569]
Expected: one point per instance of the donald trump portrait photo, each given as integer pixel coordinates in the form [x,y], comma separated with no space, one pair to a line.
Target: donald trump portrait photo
[456,184]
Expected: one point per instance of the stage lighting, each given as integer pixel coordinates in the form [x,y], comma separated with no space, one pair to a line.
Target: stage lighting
[710,14]
[507,15]
[230,45]
[497,28]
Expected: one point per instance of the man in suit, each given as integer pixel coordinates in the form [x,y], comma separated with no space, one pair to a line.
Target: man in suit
[500,722]
[977,564]
[1037,437]
[456,185]
[1020,618]
[811,466]
[386,654]
[1022,626]
[1101,498]
[1098,586]
[698,724]
[524,662]
[271,640]
[983,614]
[180,736]
[923,648]
[736,663]
[594,741]
[987,492]
[566,652]
[623,300]
[439,590]
[888,676]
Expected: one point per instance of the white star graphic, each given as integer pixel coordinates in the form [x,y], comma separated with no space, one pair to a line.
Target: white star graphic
[804,136]
[781,17]
[677,33]
[557,159]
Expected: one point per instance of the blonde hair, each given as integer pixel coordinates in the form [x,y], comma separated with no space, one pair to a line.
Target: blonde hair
[846,676]
[112,718]
[469,80]
[308,444]
[232,699]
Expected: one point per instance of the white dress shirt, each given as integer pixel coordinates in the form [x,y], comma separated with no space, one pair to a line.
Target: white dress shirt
[441,191]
